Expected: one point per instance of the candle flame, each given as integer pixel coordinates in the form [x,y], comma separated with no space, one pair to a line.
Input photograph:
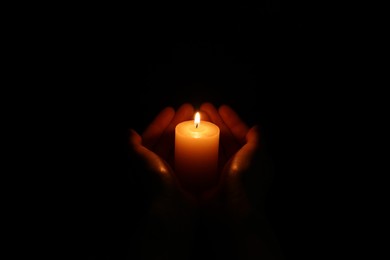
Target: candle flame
[197,119]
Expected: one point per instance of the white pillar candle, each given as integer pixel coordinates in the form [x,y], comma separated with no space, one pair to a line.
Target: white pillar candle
[196,153]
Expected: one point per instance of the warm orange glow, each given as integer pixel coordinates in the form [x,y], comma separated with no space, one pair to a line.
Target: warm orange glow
[196,153]
[197,119]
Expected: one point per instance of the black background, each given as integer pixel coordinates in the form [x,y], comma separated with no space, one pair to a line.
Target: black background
[120,65]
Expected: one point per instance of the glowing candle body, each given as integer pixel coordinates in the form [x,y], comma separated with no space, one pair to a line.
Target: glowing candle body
[196,154]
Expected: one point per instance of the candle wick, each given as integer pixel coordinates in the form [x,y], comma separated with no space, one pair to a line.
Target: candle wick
[196,125]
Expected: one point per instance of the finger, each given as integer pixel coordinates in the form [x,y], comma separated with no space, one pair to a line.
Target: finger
[135,141]
[253,136]
[183,113]
[154,131]
[204,116]
[238,128]
[228,142]
[165,144]
[212,113]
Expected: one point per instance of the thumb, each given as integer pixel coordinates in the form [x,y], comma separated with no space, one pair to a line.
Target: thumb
[151,161]
[134,139]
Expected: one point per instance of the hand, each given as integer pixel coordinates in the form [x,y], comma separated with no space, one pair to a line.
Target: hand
[168,230]
[238,145]
[155,150]
[242,181]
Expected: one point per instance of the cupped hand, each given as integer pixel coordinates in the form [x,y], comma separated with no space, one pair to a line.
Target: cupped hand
[155,149]
[238,145]
[231,201]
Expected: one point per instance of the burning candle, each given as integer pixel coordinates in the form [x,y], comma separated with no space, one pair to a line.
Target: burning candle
[196,153]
